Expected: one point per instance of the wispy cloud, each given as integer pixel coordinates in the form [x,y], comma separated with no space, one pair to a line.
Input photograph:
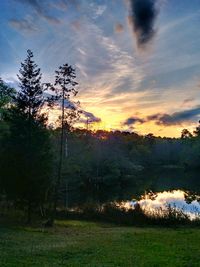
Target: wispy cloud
[41,8]
[97,10]
[188,100]
[25,25]
[115,71]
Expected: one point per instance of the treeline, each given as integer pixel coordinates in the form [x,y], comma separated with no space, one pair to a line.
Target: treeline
[43,168]
[105,166]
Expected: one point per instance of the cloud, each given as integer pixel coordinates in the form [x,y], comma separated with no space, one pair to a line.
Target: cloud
[12,82]
[132,120]
[23,25]
[89,117]
[176,118]
[63,5]
[119,28]
[41,8]
[142,18]
[115,71]
[188,100]
[76,25]
[164,119]
[97,10]
[85,116]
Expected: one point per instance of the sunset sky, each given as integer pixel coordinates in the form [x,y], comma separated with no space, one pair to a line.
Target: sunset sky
[132,76]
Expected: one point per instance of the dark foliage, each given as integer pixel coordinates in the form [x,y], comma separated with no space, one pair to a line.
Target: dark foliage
[30,99]
[26,161]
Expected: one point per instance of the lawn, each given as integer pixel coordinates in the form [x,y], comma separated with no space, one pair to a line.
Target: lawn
[77,243]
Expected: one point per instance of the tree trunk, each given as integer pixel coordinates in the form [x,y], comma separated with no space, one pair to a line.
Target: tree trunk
[29,212]
[57,185]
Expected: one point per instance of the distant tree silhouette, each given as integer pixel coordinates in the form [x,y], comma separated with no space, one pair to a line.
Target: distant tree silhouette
[6,96]
[197,130]
[186,133]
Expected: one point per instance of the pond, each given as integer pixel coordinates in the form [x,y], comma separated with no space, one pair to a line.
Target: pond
[151,188]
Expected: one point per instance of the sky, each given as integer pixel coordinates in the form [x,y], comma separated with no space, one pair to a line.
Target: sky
[137,61]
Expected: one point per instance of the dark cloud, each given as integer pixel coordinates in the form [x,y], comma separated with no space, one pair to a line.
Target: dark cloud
[69,104]
[176,118]
[132,120]
[142,18]
[41,8]
[23,25]
[89,117]
[119,28]
[154,117]
[164,119]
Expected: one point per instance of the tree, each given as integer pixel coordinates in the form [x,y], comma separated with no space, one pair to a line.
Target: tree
[6,96]
[63,89]
[27,160]
[197,130]
[185,133]
[30,99]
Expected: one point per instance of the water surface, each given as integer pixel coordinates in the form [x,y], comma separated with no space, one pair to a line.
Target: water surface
[166,186]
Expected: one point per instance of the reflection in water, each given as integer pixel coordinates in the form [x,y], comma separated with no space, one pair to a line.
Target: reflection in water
[177,199]
[102,190]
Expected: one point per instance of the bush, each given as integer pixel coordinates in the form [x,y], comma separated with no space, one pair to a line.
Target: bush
[112,213]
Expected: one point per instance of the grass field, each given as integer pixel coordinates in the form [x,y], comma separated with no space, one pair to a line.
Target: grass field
[77,243]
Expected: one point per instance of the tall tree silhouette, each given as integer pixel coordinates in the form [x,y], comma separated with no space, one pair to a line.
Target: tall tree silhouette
[64,88]
[28,145]
[30,98]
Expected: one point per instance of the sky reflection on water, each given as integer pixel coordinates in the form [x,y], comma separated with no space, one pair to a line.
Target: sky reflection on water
[178,199]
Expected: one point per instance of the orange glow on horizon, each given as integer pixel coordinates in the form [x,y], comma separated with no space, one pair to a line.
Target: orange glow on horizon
[112,118]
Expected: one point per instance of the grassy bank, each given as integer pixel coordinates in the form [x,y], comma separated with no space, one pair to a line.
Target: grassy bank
[78,243]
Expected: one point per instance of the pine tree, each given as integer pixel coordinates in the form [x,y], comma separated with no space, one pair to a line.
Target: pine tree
[63,89]
[30,99]
[27,161]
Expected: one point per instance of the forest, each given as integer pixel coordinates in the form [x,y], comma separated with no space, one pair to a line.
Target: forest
[46,168]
